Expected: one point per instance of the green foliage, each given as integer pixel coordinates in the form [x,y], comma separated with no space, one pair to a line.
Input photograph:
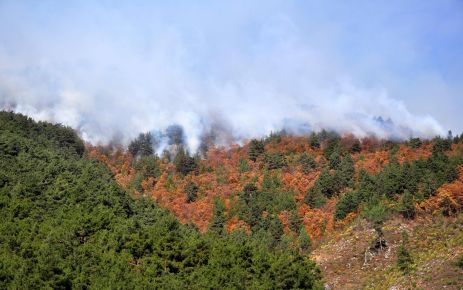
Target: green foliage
[275,230]
[304,240]
[274,137]
[271,182]
[184,163]
[307,163]
[314,141]
[135,183]
[414,143]
[142,145]
[256,148]
[328,185]
[421,177]
[314,198]
[66,224]
[332,146]
[441,145]
[334,159]
[346,204]
[325,184]
[243,166]
[294,221]
[376,213]
[253,203]
[407,207]
[404,258]
[274,160]
[148,166]
[191,190]
[217,224]
[345,173]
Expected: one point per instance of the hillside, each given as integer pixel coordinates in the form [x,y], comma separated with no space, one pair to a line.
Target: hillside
[372,214]
[66,224]
[349,196]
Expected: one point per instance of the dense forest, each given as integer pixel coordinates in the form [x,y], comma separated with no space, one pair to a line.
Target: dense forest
[66,223]
[301,192]
[249,216]
[309,184]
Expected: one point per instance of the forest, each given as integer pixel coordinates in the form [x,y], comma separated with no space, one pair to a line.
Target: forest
[81,216]
[67,224]
[301,192]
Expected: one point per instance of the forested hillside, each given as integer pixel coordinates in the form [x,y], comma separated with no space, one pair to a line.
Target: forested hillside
[66,223]
[305,191]
[315,183]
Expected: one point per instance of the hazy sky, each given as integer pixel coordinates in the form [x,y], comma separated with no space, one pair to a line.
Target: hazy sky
[115,68]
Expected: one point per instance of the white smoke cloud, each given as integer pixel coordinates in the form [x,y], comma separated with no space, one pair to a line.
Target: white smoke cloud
[117,71]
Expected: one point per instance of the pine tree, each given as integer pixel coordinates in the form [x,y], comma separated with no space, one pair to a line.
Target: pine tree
[142,145]
[314,141]
[404,258]
[407,207]
[314,198]
[307,163]
[217,224]
[346,171]
[256,148]
[183,162]
[376,214]
[346,204]
[276,230]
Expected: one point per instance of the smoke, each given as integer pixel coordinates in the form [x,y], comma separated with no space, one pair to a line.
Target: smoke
[113,71]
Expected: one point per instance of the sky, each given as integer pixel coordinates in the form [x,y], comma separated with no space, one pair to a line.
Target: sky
[112,69]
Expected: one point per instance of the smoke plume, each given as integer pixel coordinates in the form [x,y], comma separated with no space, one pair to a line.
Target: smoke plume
[226,72]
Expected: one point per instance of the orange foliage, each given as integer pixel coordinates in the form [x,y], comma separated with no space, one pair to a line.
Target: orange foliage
[318,221]
[449,197]
[407,154]
[372,162]
[219,176]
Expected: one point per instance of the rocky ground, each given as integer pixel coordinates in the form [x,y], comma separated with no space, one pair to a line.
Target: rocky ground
[435,244]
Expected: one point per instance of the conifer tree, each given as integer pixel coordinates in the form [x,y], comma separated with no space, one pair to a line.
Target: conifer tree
[314,141]
[407,207]
[256,148]
[217,224]
[404,258]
